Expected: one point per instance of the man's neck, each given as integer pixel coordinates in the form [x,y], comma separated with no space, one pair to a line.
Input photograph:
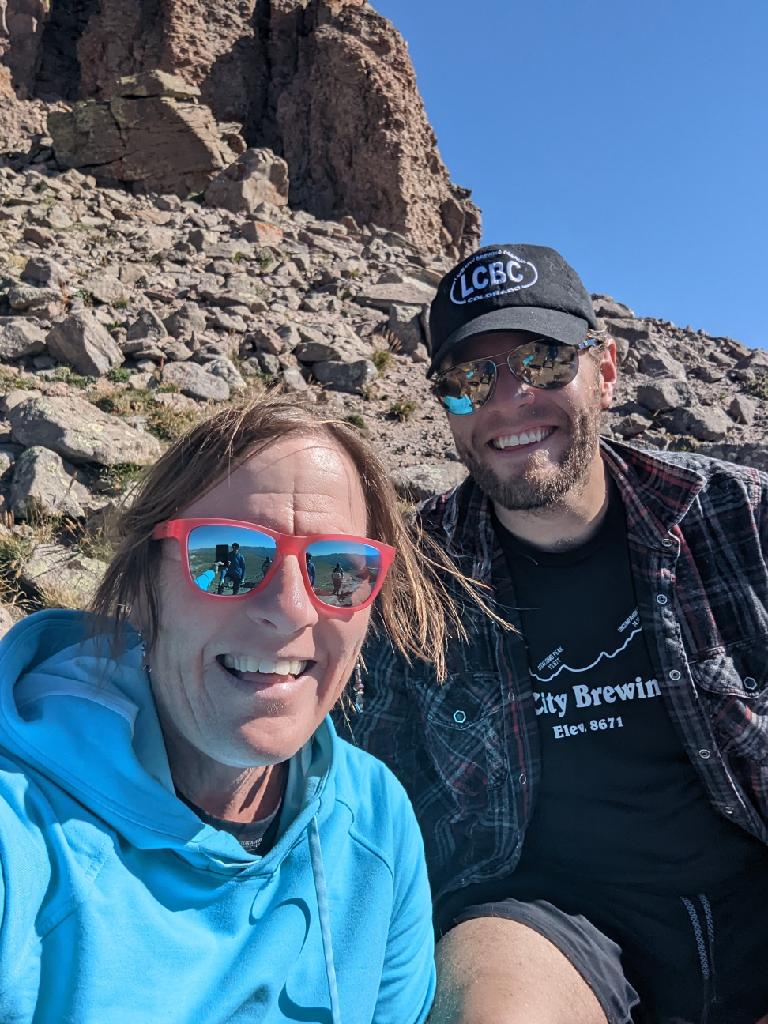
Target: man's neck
[570,522]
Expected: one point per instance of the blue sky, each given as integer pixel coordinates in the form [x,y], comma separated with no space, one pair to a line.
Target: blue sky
[631,137]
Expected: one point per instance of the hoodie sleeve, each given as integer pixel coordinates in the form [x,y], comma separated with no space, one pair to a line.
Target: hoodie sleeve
[408,981]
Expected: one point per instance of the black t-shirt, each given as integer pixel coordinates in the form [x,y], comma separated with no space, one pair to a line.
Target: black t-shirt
[619,802]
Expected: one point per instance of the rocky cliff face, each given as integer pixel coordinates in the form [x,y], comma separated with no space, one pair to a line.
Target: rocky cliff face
[327,84]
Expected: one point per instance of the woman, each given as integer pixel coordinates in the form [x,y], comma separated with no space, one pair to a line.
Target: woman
[183,837]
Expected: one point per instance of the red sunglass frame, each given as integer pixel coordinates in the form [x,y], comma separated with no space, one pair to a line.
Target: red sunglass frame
[287,544]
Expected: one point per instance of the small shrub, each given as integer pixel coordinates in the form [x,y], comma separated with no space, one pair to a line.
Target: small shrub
[16,547]
[90,541]
[115,479]
[118,375]
[168,424]
[67,375]
[356,420]
[120,304]
[402,411]
[264,259]
[115,405]
[758,388]
[14,552]
[382,359]
[16,382]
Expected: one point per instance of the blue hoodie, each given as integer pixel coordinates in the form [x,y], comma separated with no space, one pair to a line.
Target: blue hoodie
[119,906]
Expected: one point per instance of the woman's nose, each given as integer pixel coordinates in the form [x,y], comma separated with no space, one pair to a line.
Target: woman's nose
[284,602]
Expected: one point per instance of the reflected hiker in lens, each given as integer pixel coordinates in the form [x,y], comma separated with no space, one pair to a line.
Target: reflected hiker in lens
[234,570]
[171,783]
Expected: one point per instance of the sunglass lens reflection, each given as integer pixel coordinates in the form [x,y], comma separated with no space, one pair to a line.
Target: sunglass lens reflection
[464,389]
[229,560]
[343,574]
[544,364]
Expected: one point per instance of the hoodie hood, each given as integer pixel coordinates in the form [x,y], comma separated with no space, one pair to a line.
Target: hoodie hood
[86,720]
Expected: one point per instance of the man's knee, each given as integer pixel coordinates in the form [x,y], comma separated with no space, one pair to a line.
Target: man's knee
[497,971]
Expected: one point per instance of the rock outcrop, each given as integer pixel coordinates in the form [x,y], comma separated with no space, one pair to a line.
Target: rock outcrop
[151,133]
[328,85]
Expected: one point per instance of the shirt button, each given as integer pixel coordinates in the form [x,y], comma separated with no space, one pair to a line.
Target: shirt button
[661,599]
[705,754]
[459,717]
[667,542]
[674,675]
[523,778]
[750,683]
[728,810]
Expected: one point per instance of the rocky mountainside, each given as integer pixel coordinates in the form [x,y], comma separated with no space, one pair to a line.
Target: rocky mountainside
[326,84]
[183,267]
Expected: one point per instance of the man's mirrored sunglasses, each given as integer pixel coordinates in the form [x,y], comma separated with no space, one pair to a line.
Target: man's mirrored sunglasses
[540,363]
[227,560]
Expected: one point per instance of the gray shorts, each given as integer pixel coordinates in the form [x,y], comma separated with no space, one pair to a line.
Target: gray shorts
[596,957]
[655,959]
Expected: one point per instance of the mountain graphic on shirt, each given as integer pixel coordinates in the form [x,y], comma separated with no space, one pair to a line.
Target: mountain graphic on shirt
[553,664]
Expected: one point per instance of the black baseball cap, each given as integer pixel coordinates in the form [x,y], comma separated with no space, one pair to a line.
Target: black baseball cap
[509,288]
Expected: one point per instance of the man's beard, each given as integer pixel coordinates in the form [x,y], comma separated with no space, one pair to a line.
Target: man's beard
[534,489]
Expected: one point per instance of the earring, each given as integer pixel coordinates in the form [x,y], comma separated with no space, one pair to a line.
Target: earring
[358,689]
[144,656]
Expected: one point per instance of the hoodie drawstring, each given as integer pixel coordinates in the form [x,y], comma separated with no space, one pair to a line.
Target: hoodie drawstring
[318,872]
[705,946]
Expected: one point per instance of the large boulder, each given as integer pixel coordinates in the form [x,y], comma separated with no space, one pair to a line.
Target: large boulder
[62,576]
[85,344]
[257,176]
[42,484]
[20,337]
[78,431]
[156,139]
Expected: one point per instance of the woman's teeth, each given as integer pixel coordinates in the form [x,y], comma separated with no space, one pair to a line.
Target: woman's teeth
[283,667]
[514,440]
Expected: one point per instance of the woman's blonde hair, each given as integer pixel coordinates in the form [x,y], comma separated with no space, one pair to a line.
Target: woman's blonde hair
[413,607]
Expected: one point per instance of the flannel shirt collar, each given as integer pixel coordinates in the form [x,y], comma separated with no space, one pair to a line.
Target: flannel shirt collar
[657,493]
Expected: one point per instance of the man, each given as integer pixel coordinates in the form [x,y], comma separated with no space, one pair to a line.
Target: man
[592,786]
[234,570]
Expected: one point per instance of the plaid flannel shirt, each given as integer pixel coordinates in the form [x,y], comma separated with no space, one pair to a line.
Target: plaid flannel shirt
[467,751]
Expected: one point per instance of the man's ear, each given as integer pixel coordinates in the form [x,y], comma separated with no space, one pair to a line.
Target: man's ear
[608,372]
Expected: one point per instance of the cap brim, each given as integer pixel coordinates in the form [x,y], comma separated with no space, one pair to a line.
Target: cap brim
[564,327]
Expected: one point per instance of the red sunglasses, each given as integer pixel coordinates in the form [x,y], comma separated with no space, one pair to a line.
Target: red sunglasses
[230,560]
